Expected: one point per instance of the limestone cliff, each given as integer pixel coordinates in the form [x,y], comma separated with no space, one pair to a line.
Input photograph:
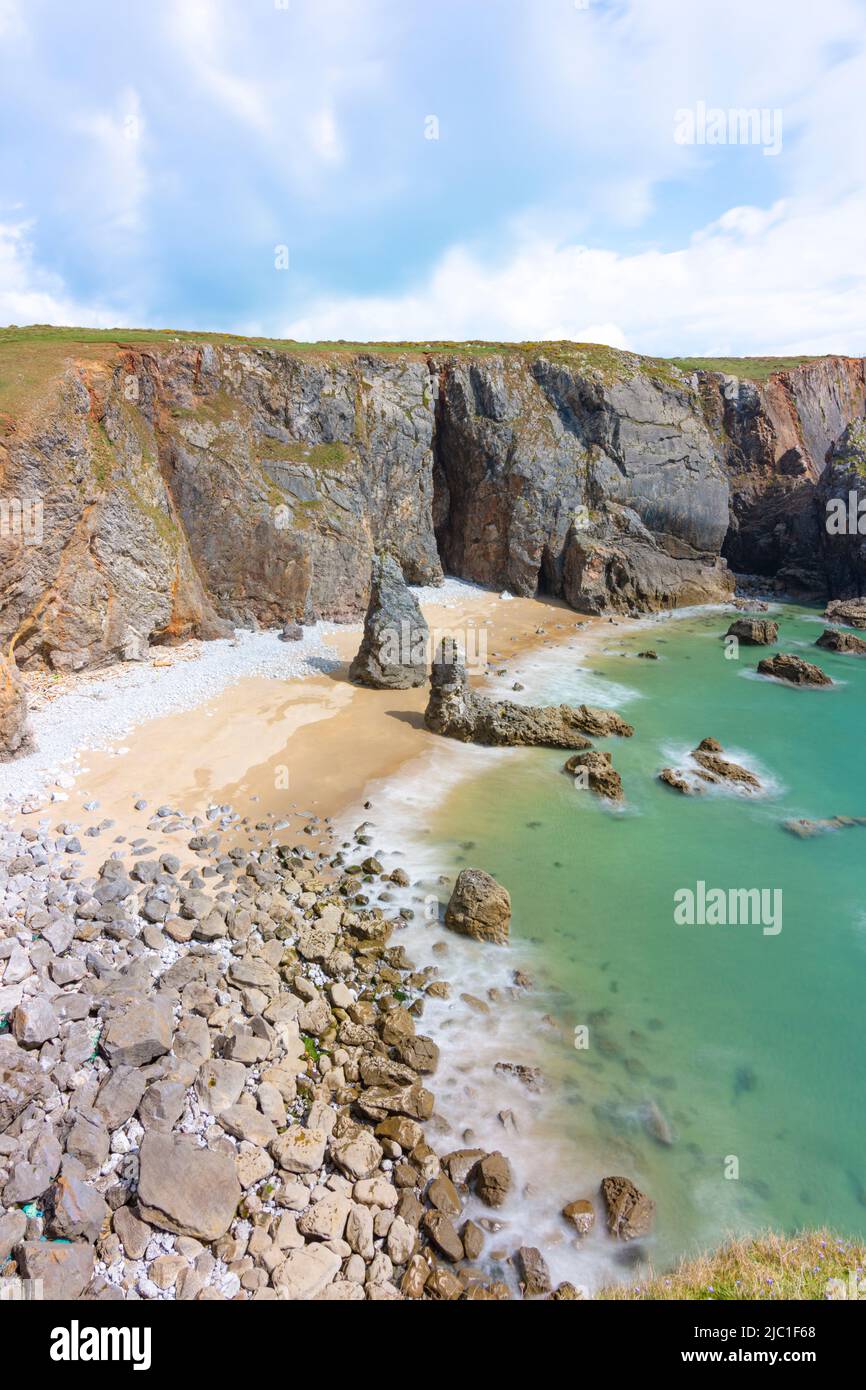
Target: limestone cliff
[186,485]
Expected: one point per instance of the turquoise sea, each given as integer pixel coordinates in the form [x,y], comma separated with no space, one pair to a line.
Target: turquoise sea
[749,1048]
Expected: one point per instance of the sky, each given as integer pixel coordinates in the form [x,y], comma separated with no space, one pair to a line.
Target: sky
[423,169]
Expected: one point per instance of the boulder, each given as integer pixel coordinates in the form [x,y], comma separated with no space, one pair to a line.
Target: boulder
[441,1233]
[581,1214]
[455,710]
[754,632]
[247,1123]
[65,1269]
[186,1189]
[119,1095]
[300,1150]
[357,1154]
[21,1081]
[326,1220]
[479,907]
[597,767]
[219,1084]
[851,611]
[12,1228]
[139,1034]
[35,1022]
[630,1213]
[491,1178]
[532,1272]
[32,1176]
[793,670]
[16,736]
[305,1273]
[709,768]
[76,1210]
[834,641]
[393,650]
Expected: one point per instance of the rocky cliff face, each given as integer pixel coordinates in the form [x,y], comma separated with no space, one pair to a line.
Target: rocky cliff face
[778,436]
[600,484]
[186,487]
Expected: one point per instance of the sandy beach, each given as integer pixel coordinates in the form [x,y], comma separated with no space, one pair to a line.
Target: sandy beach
[291,748]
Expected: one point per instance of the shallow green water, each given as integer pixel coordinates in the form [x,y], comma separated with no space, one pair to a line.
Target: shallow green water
[751,1045]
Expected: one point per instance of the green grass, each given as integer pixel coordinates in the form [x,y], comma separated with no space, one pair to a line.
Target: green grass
[31,357]
[761,1267]
[751,368]
[331,457]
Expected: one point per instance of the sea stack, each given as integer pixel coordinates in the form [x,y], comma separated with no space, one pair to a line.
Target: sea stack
[393,651]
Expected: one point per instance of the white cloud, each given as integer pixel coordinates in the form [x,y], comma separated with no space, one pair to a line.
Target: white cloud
[116,175]
[325,137]
[11,19]
[789,279]
[199,28]
[29,294]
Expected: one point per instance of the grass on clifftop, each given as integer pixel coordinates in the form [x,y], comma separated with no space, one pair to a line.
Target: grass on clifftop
[751,368]
[762,1267]
[32,356]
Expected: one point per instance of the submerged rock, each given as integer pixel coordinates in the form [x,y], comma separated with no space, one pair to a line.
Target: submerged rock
[805,829]
[755,632]
[601,777]
[834,641]
[393,651]
[793,669]
[479,907]
[656,1124]
[457,711]
[16,736]
[630,1213]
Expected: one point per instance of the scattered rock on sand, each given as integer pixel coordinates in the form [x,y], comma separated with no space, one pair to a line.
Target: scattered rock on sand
[457,711]
[601,776]
[630,1213]
[834,641]
[755,632]
[393,651]
[793,670]
[479,907]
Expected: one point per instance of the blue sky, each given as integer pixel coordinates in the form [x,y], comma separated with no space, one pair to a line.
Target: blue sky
[156,155]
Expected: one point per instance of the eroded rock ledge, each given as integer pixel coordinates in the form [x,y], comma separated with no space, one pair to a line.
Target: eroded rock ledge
[457,711]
